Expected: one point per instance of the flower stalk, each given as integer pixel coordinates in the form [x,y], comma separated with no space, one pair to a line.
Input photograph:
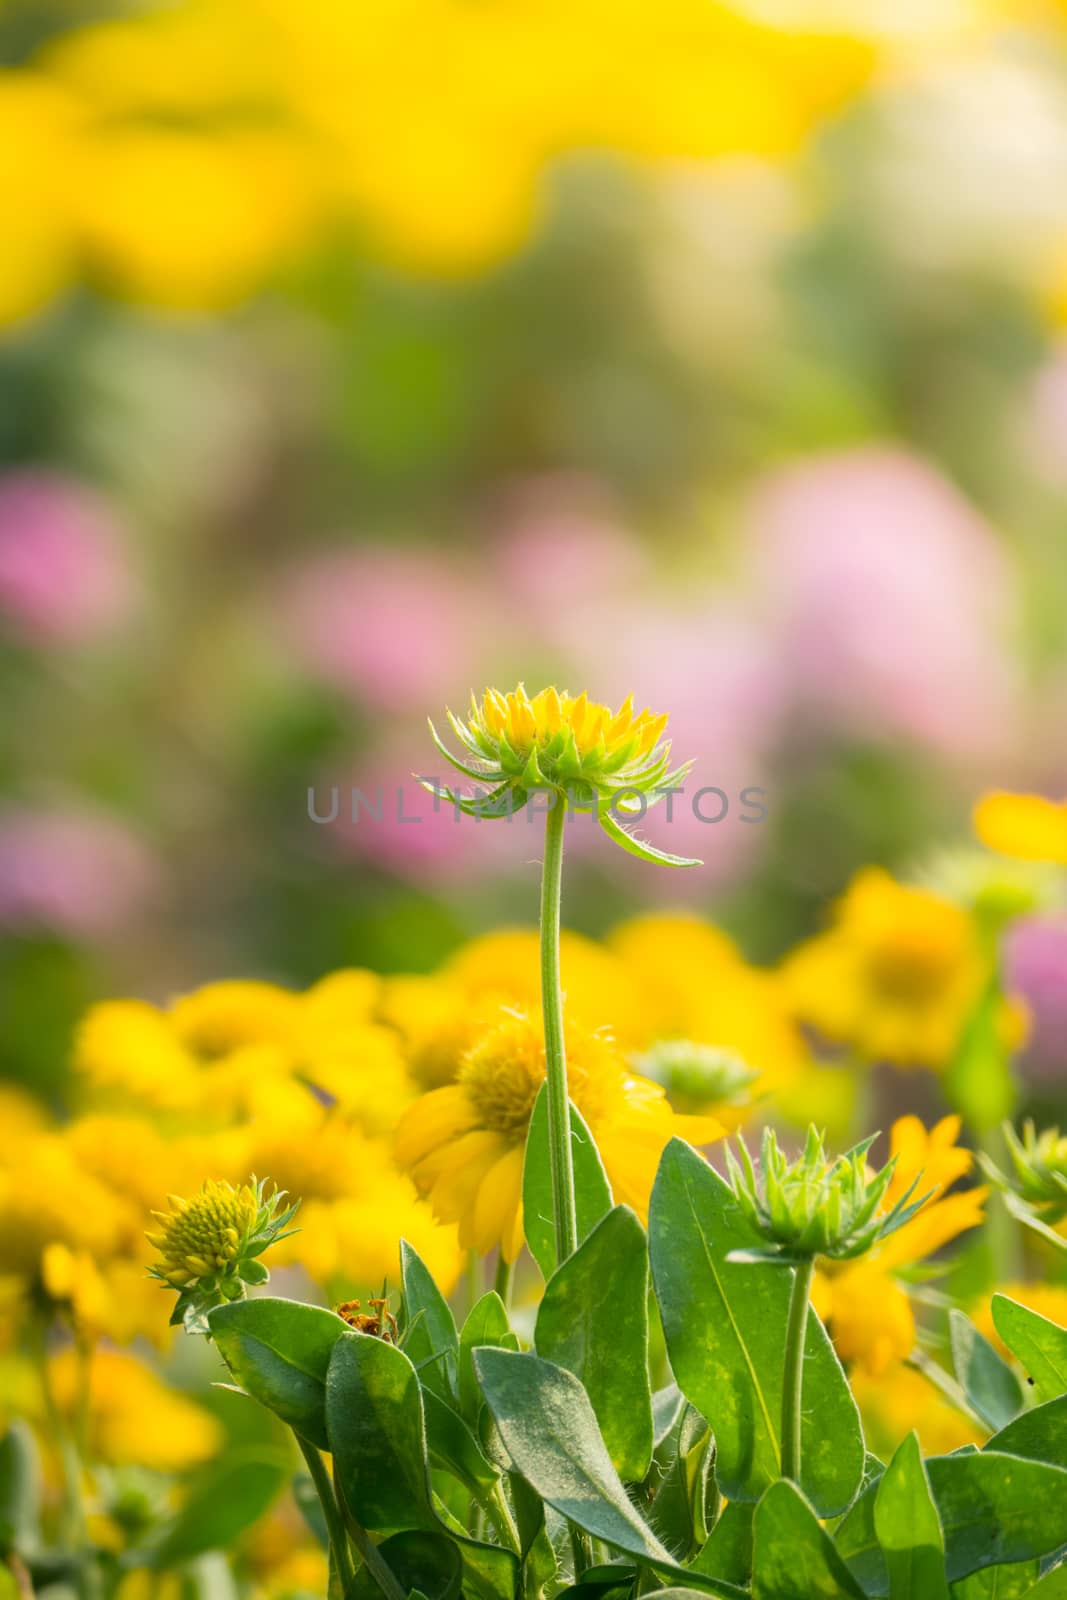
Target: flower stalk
[793,1384]
[559,1120]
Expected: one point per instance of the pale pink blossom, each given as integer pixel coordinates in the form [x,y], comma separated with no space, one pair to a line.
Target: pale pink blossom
[63,573]
[71,871]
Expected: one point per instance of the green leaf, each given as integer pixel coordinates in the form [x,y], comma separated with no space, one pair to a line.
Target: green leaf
[641,847]
[428,1563]
[20,1489]
[1039,1435]
[429,1328]
[452,1445]
[1053,1586]
[374,1416]
[994,1509]
[685,1499]
[223,1503]
[593,1320]
[728,1553]
[999,1583]
[978,1081]
[486,1324]
[1039,1344]
[548,1428]
[592,1192]
[374,1420]
[993,1391]
[725,1330]
[309,1505]
[909,1528]
[279,1352]
[794,1558]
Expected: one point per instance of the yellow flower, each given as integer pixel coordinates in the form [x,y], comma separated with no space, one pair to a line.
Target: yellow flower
[899,1400]
[135,1418]
[363,1073]
[216,1020]
[1025,825]
[436,1022]
[204,1236]
[583,755]
[21,1115]
[127,1048]
[896,975]
[597,986]
[47,1197]
[464,1144]
[868,1312]
[687,980]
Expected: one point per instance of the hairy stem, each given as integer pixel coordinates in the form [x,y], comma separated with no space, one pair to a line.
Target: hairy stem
[793,1385]
[559,1130]
[502,1281]
[335,1527]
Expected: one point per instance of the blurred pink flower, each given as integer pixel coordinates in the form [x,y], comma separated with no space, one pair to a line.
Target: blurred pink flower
[72,872]
[385,818]
[890,600]
[1036,968]
[397,629]
[63,575]
[561,554]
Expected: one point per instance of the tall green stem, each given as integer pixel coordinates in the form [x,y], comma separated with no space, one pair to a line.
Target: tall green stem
[502,1281]
[559,1121]
[335,1528]
[793,1385]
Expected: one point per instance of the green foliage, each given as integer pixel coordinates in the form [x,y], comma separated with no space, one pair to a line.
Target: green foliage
[725,1329]
[593,1320]
[223,1503]
[279,1352]
[991,1387]
[465,1464]
[592,1192]
[1039,1344]
[20,1488]
[908,1528]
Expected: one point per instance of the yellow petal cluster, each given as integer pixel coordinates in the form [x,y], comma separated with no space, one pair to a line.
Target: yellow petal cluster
[184,154]
[464,1143]
[867,1310]
[1025,825]
[895,976]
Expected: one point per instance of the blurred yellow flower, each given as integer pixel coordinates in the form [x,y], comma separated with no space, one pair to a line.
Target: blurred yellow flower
[37,238]
[464,1144]
[125,1049]
[896,975]
[597,986]
[220,1018]
[1025,825]
[899,1400]
[868,1312]
[134,1417]
[688,980]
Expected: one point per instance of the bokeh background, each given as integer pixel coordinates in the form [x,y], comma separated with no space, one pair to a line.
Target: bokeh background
[352,358]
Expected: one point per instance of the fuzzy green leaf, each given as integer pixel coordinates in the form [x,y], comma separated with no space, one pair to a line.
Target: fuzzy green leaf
[428,1327]
[593,1320]
[794,1558]
[279,1351]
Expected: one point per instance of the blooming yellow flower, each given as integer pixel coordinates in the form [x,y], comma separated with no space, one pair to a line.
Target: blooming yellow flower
[134,1417]
[868,1312]
[220,1018]
[583,755]
[47,1197]
[126,1049]
[895,976]
[464,1144]
[1026,825]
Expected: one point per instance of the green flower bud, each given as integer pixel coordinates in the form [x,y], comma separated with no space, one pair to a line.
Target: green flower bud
[814,1206]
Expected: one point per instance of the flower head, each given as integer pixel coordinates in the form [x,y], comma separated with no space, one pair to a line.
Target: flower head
[1036,1188]
[209,1247]
[896,975]
[697,1075]
[464,1143]
[815,1205]
[579,753]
